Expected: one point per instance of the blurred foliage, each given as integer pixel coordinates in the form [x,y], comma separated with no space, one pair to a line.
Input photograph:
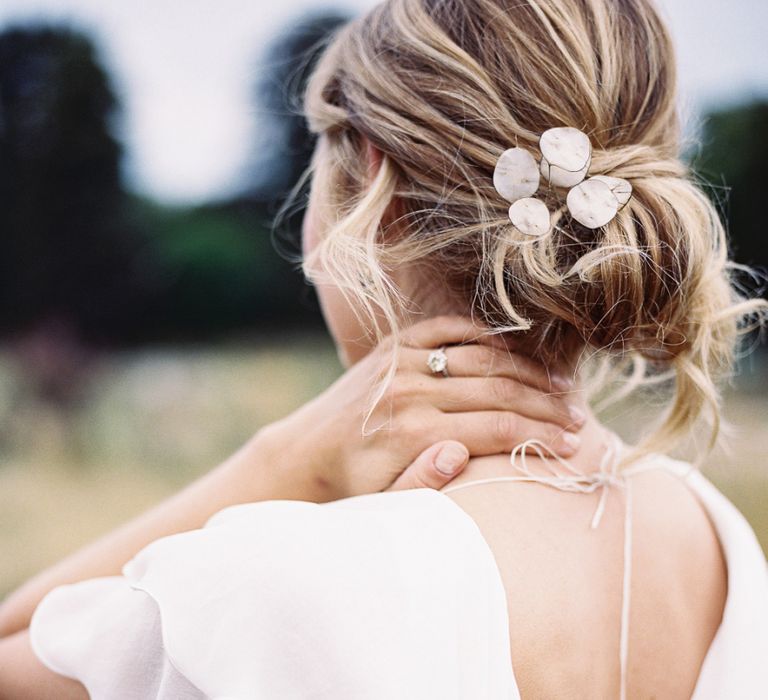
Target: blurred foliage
[66,246]
[212,269]
[81,253]
[732,159]
[286,145]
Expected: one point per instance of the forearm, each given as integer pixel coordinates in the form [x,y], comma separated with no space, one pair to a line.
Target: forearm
[253,473]
[24,677]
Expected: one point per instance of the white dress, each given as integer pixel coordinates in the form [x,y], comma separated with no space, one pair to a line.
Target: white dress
[386,596]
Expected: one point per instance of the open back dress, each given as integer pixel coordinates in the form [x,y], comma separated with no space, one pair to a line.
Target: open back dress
[381,596]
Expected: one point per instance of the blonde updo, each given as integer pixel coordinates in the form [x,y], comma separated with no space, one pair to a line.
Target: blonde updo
[442,88]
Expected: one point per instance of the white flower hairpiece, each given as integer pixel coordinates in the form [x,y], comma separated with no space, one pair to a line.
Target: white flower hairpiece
[566,154]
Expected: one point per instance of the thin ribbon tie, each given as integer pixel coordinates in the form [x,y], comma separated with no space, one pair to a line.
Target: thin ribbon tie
[571,479]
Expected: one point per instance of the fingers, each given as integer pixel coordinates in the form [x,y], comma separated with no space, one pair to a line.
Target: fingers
[492,432]
[447,330]
[483,361]
[477,353]
[434,467]
[466,394]
[479,360]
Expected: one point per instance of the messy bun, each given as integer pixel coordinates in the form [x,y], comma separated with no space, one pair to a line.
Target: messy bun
[442,88]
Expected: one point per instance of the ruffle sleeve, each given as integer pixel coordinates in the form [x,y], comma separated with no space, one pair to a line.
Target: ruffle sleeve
[392,595]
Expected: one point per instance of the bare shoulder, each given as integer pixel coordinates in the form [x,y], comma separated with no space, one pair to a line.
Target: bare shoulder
[677,549]
[564,583]
[666,506]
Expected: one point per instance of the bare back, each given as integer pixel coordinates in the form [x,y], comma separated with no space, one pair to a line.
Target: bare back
[564,583]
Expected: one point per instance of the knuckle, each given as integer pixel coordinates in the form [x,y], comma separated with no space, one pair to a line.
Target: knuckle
[477,358]
[559,407]
[512,364]
[505,425]
[502,391]
[420,479]
[511,361]
[482,358]
[400,388]
[554,435]
[409,426]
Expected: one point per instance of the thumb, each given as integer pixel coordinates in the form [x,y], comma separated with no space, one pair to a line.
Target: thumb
[434,467]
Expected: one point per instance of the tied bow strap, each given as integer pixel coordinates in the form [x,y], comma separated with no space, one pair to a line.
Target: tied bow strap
[571,479]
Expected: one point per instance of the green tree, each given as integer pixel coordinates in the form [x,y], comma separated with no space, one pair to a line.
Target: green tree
[733,160]
[212,270]
[285,145]
[66,248]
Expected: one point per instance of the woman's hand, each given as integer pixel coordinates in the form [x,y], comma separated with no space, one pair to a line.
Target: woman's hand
[491,401]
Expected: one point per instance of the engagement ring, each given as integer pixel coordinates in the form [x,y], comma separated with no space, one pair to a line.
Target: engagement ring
[438,362]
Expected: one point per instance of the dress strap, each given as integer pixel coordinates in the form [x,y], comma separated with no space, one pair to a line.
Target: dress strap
[626,589]
[562,475]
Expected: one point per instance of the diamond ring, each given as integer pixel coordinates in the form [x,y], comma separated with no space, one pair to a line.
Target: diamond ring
[438,362]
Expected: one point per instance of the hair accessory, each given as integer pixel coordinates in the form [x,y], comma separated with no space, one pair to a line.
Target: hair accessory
[530,216]
[566,154]
[516,175]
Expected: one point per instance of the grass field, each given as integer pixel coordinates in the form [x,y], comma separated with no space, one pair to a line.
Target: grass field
[145,423]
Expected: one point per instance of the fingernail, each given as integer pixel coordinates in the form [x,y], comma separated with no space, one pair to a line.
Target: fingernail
[571,440]
[577,415]
[450,459]
[561,382]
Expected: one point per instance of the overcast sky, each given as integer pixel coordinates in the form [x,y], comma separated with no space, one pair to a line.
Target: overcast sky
[185,70]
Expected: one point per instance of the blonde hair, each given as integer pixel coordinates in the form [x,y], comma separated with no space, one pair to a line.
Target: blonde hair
[442,88]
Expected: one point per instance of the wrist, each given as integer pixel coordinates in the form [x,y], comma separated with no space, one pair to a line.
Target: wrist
[281,464]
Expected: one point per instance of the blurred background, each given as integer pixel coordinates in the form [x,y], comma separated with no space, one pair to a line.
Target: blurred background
[152,317]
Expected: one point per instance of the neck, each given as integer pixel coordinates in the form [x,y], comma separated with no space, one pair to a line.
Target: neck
[596,440]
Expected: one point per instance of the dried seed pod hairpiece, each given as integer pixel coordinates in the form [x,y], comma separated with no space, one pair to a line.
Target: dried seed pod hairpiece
[566,154]
[516,175]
